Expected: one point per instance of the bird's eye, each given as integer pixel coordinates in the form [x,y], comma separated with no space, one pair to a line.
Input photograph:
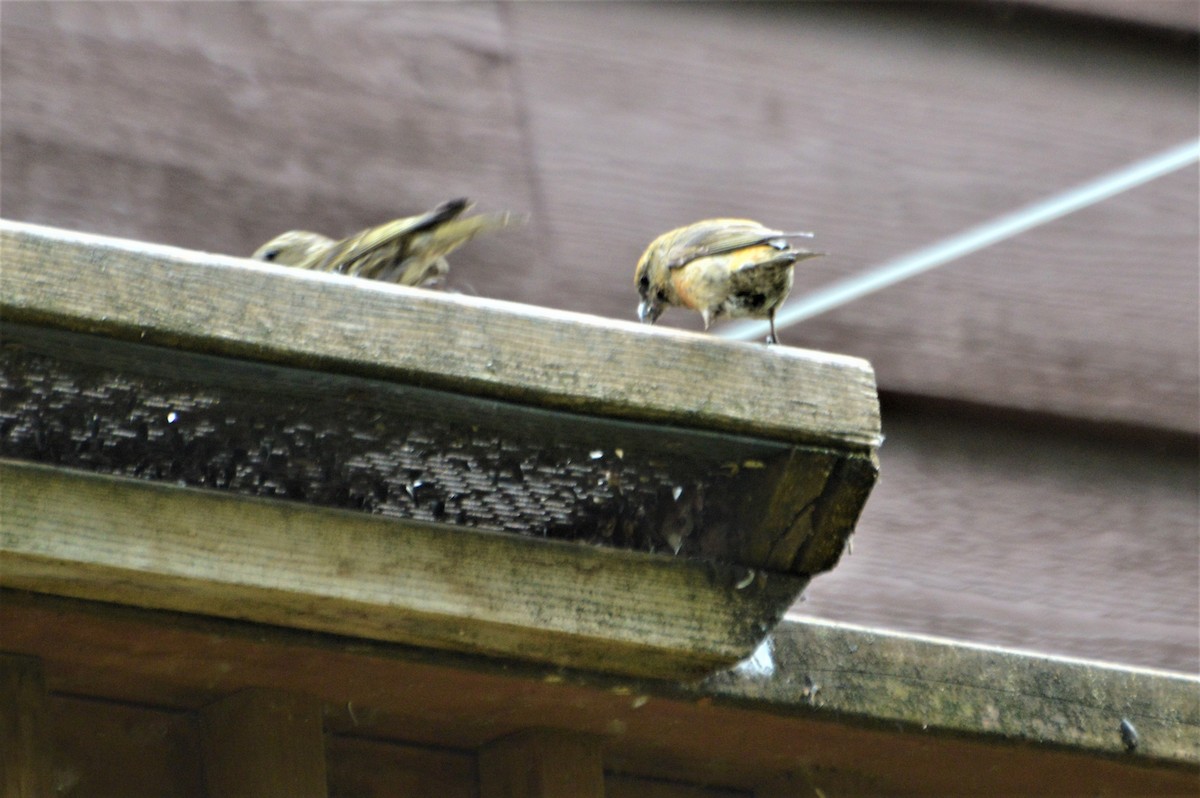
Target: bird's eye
[661,296]
[271,254]
[644,283]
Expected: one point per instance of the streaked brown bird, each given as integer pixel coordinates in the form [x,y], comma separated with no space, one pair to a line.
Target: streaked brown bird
[410,251]
[732,268]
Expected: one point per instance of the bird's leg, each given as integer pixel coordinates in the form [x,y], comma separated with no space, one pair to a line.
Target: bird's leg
[772,338]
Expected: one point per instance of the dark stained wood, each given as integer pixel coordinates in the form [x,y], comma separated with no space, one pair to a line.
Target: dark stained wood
[616,786]
[374,769]
[263,742]
[736,732]
[542,763]
[114,748]
[24,730]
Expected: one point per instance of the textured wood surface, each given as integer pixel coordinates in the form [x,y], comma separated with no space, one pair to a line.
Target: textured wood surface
[362,768]
[872,712]
[114,748]
[261,742]
[884,127]
[159,546]
[542,763]
[483,347]
[111,407]
[25,743]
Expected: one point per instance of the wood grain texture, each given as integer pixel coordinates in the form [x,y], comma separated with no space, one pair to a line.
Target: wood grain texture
[260,743]
[159,546]
[24,728]
[360,768]
[111,407]
[478,346]
[542,763]
[896,714]
[864,672]
[115,748]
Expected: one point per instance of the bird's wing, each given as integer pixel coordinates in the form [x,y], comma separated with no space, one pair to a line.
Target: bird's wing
[720,236]
[366,242]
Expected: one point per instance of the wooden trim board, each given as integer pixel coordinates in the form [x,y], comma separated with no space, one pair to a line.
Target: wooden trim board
[845,709]
[232,306]
[163,547]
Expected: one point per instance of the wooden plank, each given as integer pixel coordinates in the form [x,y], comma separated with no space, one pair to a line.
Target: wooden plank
[542,763]
[111,407]
[1009,693]
[261,743]
[155,545]
[116,748]
[483,347]
[24,731]
[902,715]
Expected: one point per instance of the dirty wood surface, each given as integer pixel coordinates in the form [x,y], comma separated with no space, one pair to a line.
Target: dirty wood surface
[333,440]
[159,546]
[497,349]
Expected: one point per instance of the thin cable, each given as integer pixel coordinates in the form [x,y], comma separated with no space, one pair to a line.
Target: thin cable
[972,240]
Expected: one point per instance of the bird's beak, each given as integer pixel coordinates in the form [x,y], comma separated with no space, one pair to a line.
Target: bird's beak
[648,312]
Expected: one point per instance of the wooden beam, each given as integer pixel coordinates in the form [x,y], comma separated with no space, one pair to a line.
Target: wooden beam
[160,546]
[894,713]
[262,743]
[542,763]
[113,407]
[24,731]
[477,346]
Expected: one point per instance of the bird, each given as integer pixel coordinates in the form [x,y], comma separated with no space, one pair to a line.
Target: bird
[734,268]
[410,251]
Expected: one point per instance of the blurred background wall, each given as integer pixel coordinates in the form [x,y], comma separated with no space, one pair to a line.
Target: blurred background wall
[1041,397]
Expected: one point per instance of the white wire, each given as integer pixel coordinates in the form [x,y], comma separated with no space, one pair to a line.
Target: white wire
[971,240]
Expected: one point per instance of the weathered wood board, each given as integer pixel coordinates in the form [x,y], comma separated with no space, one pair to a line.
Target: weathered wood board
[231,306]
[160,546]
[414,453]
